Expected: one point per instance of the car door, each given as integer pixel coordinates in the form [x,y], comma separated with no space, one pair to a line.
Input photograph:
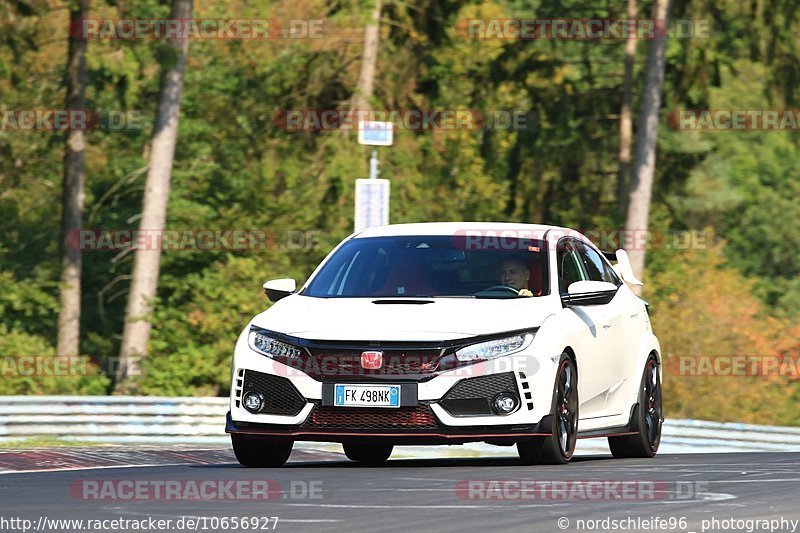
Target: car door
[623,330]
[589,333]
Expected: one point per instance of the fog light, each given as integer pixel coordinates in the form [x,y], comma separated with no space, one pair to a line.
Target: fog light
[505,403]
[253,401]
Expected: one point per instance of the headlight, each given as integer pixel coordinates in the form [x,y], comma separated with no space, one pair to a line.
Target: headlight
[271,347]
[496,348]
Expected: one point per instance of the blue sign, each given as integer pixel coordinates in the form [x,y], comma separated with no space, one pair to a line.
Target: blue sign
[374,133]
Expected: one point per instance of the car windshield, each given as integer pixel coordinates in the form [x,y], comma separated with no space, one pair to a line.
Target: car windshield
[433,266]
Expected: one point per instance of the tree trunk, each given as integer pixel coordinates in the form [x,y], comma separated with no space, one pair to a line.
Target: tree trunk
[625,114]
[369,58]
[646,139]
[69,315]
[146,262]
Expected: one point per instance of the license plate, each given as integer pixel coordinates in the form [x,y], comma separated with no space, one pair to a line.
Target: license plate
[366,396]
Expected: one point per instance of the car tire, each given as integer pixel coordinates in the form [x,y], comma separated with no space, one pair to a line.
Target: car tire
[371,454]
[562,423]
[647,419]
[260,452]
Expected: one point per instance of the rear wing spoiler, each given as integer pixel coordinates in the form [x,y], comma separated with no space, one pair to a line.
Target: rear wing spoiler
[623,266]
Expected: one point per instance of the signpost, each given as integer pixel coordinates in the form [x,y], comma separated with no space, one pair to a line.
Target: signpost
[374,133]
[372,195]
[372,203]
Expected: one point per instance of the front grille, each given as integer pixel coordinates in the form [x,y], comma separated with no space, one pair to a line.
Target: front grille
[473,396]
[347,363]
[371,419]
[282,398]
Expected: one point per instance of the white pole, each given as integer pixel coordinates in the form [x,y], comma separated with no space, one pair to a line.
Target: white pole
[373,165]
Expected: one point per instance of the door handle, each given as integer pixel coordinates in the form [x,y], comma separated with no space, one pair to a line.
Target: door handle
[606,326]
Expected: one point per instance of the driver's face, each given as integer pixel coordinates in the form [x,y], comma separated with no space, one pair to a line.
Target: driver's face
[514,274]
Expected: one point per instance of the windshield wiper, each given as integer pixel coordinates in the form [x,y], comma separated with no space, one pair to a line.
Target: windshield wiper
[448,296]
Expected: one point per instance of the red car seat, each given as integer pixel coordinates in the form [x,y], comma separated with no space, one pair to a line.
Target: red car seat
[536,279]
[407,278]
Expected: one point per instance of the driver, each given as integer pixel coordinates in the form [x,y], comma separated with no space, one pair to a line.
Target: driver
[515,274]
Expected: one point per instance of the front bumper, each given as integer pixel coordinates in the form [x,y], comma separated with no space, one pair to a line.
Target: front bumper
[445,407]
[499,434]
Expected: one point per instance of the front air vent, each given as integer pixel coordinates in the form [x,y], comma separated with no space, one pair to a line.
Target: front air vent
[238,390]
[281,397]
[527,393]
[474,396]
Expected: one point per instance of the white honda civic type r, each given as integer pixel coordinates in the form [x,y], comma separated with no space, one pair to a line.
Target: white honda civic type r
[446,333]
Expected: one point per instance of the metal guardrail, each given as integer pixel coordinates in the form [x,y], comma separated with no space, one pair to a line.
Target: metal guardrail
[201,420]
[113,418]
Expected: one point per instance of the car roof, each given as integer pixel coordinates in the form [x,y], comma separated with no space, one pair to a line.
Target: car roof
[472,228]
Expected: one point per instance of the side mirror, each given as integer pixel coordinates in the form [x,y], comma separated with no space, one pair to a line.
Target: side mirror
[275,289]
[589,293]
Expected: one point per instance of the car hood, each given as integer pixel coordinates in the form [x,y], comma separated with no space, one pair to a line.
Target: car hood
[362,319]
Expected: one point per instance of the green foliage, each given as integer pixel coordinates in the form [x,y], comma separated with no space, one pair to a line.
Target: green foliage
[27,305]
[703,309]
[747,188]
[28,366]
[196,326]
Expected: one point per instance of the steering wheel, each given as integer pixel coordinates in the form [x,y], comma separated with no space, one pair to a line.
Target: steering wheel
[501,287]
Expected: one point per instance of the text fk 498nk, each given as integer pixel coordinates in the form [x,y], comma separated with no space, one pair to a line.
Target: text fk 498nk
[446,333]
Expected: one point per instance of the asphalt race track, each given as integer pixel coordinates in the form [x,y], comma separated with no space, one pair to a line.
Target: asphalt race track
[325,492]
